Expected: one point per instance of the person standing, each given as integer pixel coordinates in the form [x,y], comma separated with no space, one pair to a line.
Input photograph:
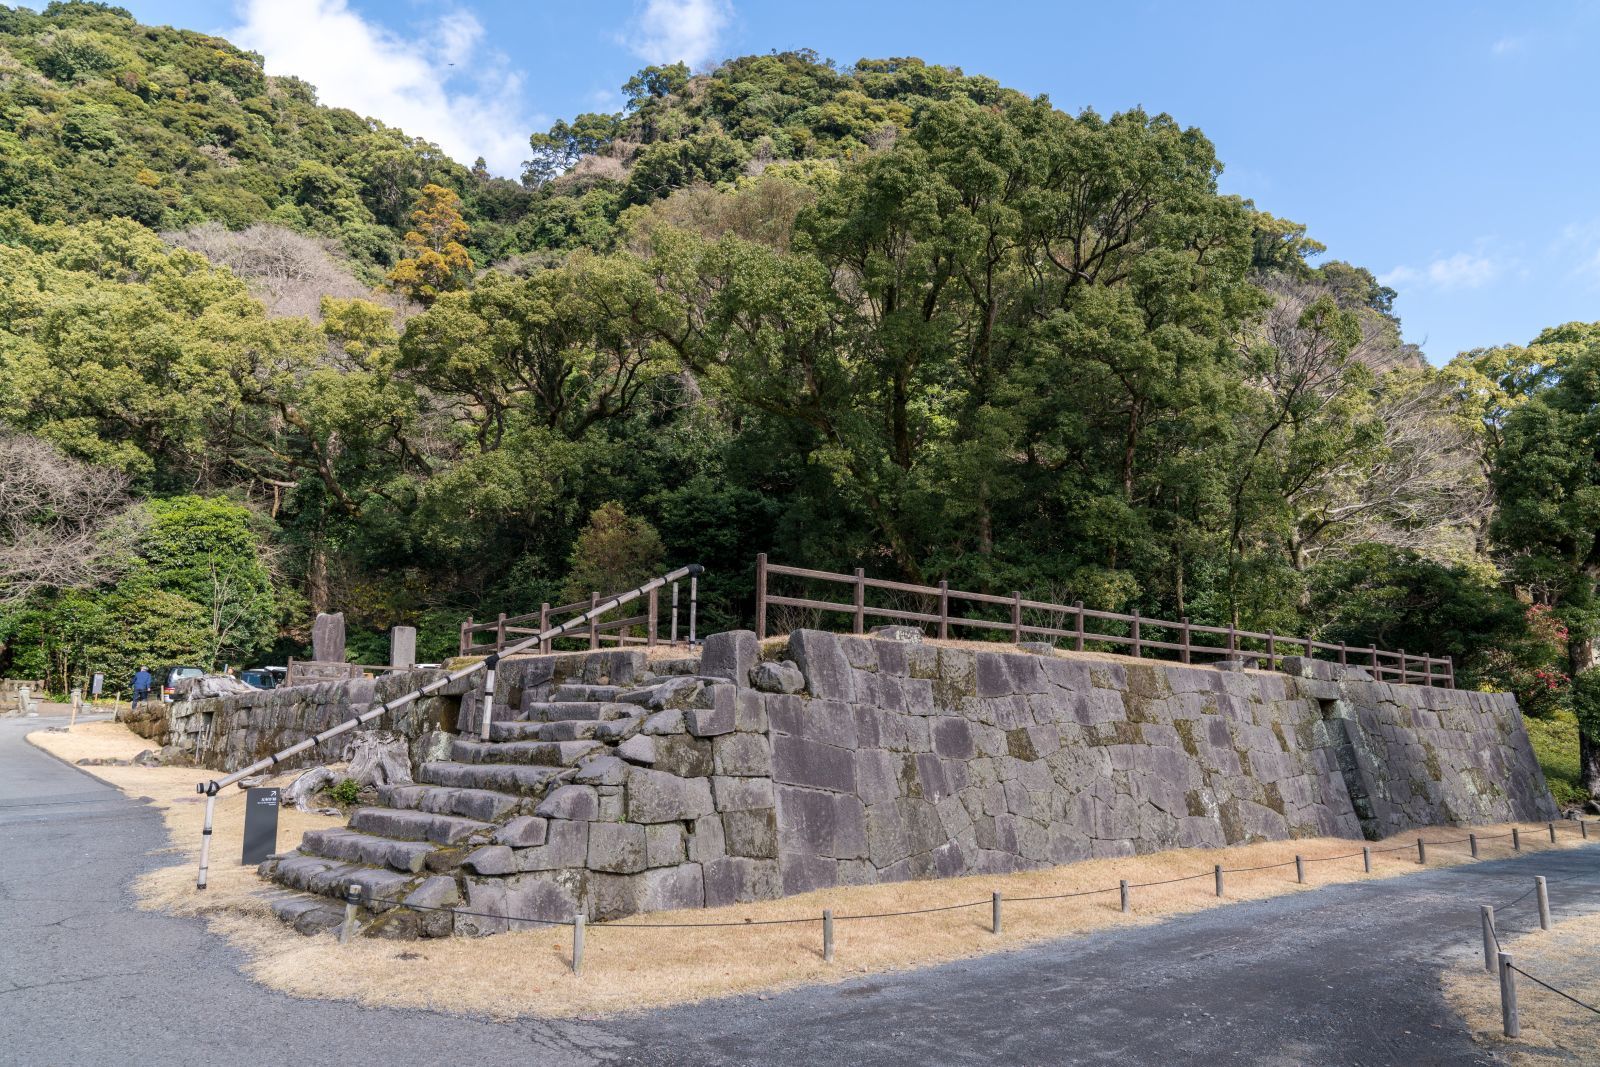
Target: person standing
[141,687]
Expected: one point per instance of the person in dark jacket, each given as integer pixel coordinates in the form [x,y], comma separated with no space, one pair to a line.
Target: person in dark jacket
[141,686]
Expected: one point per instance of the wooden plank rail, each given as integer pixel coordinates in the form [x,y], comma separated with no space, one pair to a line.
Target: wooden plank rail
[506,629]
[1184,639]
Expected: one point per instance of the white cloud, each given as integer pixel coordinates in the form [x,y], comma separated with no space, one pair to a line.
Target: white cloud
[666,31]
[1507,45]
[469,110]
[1464,270]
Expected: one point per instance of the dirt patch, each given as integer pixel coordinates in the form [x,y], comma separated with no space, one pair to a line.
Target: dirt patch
[1554,1030]
[630,967]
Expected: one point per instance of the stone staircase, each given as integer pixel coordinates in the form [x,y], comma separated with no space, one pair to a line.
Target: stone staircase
[550,766]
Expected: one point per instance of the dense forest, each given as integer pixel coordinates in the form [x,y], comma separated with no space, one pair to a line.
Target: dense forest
[261,357]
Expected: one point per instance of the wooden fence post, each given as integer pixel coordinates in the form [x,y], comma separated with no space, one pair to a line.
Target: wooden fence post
[1404,676]
[1137,646]
[544,624]
[1016,617]
[1377,671]
[1233,637]
[1449,672]
[500,632]
[861,601]
[1185,625]
[1077,607]
[1311,649]
[1272,651]
[655,616]
[594,621]
[761,595]
[1344,650]
[944,610]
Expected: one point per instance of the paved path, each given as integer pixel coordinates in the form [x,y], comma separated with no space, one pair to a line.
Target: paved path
[1345,974]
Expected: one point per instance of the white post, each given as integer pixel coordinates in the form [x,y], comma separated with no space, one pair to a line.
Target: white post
[577,943]
[205,838]
[486,710]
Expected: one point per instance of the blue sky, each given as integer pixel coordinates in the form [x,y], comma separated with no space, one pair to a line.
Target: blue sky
[1452,148]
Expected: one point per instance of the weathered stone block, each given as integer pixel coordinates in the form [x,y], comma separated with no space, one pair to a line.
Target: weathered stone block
[490,859]
[782,677]
[566,845]
[602,770]
[741,794]
[706,841]
[665,844]
[827,672]
[579,803]
[654,796]
[797,761]
[524,831]
[710,722]
[618,848]
[686,757]
[640,748]
[741,754]
[737,880]
[751,833]
[731,655]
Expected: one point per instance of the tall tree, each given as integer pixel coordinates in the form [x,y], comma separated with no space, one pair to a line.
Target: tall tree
[436,261]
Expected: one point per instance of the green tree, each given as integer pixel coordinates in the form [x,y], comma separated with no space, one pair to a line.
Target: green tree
[1548,481]
[613,553]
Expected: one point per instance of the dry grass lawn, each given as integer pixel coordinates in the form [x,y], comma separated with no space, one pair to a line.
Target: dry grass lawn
[1553,1030]
[527,972]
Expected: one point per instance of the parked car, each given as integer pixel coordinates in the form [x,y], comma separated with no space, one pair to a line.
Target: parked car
[171,676]
[259,678]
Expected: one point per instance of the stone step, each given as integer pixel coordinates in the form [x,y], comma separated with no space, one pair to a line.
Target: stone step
[563,710]
[542,753]
[524,779]
[485,805]
[402,825]
[672,692]
[584,693]
[568,730]
[328,878]
[352,846]
[307,914]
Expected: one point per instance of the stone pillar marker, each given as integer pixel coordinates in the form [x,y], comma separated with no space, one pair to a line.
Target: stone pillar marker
[327,638]
[403,646]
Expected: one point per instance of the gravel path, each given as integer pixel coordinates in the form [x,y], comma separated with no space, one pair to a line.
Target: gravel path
[1345,974]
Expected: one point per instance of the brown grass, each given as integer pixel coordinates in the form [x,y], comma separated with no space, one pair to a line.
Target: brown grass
[527,972]
[1553,1030]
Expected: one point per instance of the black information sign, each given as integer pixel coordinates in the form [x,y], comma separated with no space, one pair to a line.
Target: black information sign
[260,825]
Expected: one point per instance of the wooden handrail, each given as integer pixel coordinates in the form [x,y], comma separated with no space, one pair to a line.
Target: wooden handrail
[1178,637]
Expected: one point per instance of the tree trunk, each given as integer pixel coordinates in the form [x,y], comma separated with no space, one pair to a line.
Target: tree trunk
[1580,658]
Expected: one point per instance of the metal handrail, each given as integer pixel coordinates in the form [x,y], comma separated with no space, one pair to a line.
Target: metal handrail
[488,664]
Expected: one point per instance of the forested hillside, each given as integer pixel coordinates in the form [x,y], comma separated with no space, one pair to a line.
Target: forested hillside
[260,357]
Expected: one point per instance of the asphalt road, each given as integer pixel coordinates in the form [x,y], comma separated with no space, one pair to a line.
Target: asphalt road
[1345,974]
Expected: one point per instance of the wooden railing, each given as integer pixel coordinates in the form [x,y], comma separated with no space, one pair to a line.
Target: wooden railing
[508,629]
[1182,639]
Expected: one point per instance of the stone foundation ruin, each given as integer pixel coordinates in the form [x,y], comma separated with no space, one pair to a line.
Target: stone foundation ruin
[611,784]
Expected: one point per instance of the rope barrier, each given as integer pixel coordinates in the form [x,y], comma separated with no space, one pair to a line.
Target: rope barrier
[1553,989]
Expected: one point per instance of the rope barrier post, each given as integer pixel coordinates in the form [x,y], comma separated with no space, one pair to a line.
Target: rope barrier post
[1486,913]
[1583,828]
[761,596]
[1422,852]
[1509,1022]
[1218,871]
[1300,870]
[577,943]
[1366,858]
[1123,886]
[994,919]
[1516,840]
[827,935]
[1552,833]
[1542,891]
[1077,609]
[352,898]
[1472,840]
